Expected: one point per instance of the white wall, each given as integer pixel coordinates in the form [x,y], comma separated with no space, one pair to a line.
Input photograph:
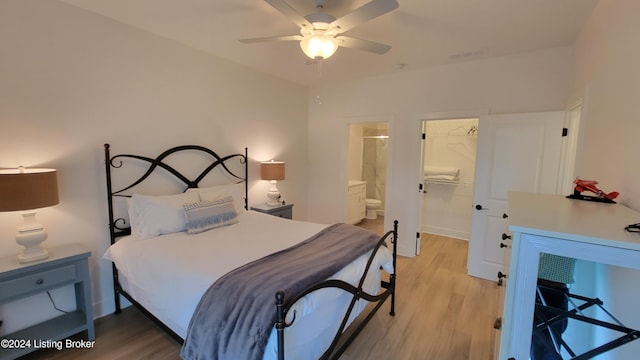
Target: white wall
[529,82]
[607,58]
[71,81]
[354,157]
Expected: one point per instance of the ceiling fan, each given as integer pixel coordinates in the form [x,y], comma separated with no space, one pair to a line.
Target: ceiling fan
[321,33]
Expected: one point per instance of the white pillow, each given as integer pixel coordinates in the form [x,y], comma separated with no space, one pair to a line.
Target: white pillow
[156,215]
[213,193]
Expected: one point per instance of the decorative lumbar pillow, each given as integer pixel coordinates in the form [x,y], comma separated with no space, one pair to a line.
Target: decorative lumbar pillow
[206,215]
[157,215]
[236,191]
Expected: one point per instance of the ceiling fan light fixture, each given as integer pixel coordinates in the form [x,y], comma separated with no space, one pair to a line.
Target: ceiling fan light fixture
[319,46]
[321,33]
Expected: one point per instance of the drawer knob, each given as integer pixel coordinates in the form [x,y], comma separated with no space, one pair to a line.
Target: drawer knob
[497,324]
[39,282]
[505,236]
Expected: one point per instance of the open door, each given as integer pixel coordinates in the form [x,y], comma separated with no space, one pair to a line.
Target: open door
[516,152]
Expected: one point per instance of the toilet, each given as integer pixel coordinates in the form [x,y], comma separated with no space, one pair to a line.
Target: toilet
[372,206]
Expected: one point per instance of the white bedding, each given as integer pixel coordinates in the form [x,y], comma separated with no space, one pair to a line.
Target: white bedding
[168,274]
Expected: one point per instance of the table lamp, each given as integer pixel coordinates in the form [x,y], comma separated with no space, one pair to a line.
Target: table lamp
[26,190]
[272,171]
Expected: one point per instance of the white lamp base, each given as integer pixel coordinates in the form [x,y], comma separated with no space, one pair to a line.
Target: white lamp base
[30,235]
[273,194]
[41,254]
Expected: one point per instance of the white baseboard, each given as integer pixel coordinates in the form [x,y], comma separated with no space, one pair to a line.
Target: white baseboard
[452,233]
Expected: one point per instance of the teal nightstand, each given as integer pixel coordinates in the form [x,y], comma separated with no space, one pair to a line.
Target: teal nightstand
[67,264]
[283,211]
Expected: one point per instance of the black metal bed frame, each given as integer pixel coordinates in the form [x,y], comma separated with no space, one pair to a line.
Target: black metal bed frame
[119,228]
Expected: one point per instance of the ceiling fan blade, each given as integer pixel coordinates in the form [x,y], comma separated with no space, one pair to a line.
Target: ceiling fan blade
[366,12]
[365,45]
[271,38]
[290,12]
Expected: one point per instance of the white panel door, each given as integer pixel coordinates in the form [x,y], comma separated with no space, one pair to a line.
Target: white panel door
[516,152]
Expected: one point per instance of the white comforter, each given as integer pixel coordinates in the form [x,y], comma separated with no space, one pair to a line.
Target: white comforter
[168,274]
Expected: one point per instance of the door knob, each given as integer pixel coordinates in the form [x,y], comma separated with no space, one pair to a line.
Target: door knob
[503,245]
[505,236]
[504,216]
[500,277]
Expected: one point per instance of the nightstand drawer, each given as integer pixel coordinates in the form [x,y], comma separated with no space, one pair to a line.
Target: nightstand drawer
[284,213]
[36,281]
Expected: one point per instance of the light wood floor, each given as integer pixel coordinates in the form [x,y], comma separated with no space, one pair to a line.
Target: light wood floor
[441,313]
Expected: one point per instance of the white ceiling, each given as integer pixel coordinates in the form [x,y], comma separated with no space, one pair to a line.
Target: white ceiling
[422,33]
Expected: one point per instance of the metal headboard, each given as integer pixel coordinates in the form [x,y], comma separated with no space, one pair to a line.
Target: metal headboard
[117,226]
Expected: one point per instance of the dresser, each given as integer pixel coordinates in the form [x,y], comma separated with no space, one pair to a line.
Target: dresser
[556,225]
[356,201]
[67,264]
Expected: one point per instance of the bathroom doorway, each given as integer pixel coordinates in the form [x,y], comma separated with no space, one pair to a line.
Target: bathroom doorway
[367,174]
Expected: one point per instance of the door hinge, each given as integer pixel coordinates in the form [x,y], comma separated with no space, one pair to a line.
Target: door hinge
[565,132]
[419,187]
[417,235]
[424,136]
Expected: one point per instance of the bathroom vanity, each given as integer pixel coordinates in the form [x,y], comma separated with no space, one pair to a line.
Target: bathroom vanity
[356,197]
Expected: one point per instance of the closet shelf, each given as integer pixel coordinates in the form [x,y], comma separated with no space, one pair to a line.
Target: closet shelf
[448,182]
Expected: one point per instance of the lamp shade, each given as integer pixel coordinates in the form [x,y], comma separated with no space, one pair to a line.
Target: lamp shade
[28,189]
[272,170]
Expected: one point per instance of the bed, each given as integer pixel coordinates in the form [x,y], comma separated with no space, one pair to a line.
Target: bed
[227,282]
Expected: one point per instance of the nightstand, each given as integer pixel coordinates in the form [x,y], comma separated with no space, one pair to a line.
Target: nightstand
[283,211]
[67,264]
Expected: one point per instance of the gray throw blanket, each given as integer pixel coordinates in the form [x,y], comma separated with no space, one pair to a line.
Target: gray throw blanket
[237,313]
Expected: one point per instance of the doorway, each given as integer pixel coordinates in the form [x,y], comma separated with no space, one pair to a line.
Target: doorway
[449,158]
[514,152]
[367,174]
